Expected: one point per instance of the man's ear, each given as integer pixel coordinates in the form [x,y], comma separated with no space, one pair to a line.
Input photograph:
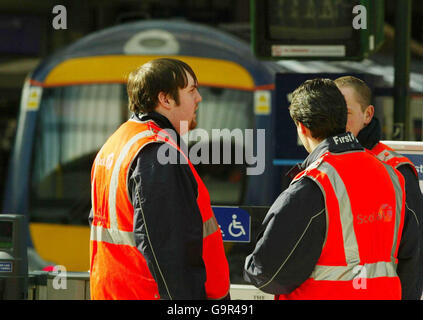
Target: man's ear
[164,100]
[368,114]
[303,129]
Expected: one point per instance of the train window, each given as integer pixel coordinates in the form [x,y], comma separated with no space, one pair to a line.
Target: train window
[223,109]
[75,121]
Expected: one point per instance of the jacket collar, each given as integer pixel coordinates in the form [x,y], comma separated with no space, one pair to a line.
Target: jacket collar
[370,135]
[336,144]
[158,118]
[162,122]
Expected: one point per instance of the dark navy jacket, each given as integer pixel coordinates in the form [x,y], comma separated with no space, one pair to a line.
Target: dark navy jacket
[288,249]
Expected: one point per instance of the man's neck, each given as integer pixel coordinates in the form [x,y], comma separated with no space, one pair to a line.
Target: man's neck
[313,143]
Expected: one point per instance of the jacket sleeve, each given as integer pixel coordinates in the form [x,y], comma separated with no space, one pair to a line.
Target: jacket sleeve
[410,253]
[291,244]
[168,226]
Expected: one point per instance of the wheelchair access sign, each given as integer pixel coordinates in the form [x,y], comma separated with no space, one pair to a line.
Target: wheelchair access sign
[234,223]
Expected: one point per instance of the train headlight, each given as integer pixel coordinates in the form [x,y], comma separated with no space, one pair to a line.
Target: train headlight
[153,41]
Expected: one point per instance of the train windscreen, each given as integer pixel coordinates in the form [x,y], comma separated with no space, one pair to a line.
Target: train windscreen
[75,121]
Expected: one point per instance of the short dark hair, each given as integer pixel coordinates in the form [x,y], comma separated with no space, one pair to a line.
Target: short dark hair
[159,75]
[320,106]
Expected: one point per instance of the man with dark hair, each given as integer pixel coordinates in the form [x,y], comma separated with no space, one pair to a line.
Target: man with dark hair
[362,123]
[329,236]
[153,231]
[161,76]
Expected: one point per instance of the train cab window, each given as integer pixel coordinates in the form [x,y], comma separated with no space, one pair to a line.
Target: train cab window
[75,121]
[230,110]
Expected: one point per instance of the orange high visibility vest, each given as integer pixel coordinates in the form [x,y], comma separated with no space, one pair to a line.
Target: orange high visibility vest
[364,226]
[391,157]
[118,270]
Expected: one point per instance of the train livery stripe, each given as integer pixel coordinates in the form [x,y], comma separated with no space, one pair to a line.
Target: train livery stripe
[112,69]
[62,244]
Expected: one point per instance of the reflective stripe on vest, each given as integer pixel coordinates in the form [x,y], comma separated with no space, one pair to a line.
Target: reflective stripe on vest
[348,273]
[399,204]
[386,155]
[114,236]
[391,157]
[350,240]
[210,226]
[115,175]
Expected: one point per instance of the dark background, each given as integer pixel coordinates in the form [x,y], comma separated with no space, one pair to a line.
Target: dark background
[27,36]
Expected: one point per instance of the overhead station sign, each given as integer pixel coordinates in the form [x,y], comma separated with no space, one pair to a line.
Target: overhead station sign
[316,29]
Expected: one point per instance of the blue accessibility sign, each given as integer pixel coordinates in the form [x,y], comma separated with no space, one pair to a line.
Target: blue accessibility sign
[234,223]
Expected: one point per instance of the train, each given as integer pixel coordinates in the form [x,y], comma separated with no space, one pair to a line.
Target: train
[76,98]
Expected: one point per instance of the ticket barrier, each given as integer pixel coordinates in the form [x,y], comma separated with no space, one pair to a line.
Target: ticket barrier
[13,257]
[43,285]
